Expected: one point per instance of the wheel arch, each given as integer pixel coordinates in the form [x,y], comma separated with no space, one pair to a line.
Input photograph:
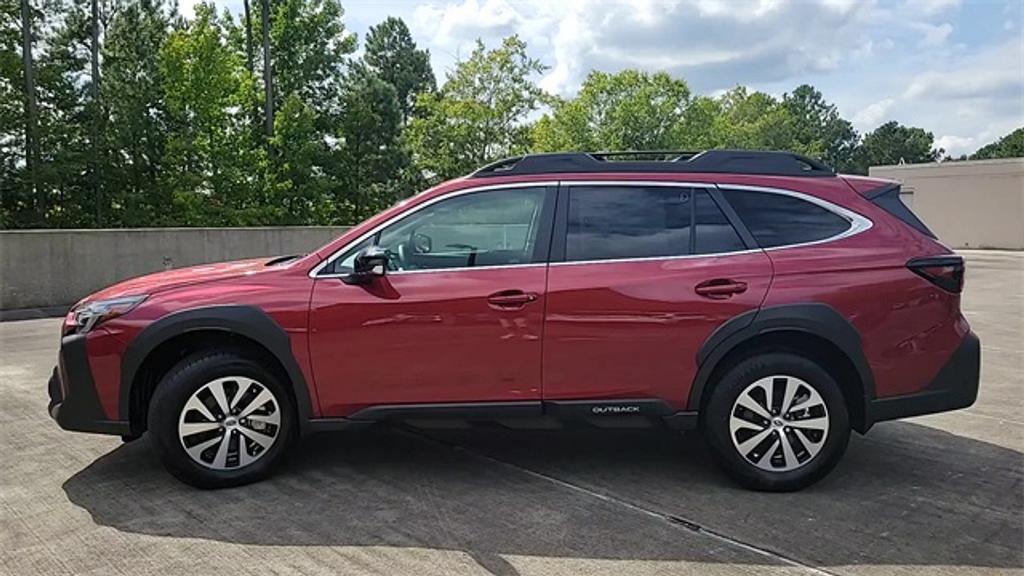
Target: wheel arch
[815,330]
[161,344]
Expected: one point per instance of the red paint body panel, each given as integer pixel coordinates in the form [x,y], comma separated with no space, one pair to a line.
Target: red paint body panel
[281,291]
[908,326]
[632,329]
[426,337]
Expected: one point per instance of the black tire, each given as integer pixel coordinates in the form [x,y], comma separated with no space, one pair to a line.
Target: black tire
[175,389]
[718,411]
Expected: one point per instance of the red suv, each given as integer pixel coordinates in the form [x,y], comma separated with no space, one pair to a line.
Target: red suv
[757,296]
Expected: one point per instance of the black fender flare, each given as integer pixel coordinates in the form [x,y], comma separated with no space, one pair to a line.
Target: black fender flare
[817,319]
[248,321]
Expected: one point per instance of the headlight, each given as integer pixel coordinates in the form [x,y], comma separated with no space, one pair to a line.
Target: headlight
[91,314]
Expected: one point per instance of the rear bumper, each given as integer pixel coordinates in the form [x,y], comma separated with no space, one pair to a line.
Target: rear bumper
[74,403]
[954,387]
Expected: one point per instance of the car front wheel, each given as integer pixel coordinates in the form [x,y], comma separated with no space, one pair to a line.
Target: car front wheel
[219,419]
[777,421]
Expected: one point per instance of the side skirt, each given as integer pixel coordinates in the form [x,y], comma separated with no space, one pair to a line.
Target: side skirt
[596,411]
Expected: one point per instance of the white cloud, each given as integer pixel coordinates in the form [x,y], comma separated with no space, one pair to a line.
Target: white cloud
[713,43]
[187,7]
[989,74]
[931,7]
[956,145]
[873,114]
[933,35]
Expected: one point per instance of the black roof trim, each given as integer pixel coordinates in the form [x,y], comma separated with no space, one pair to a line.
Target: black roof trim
[761,162]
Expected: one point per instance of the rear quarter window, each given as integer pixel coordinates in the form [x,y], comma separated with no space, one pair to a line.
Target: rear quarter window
[781,220]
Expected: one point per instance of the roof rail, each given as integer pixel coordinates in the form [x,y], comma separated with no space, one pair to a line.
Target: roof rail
[761,162]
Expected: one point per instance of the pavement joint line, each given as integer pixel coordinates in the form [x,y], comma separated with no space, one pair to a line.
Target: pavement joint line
[671,519]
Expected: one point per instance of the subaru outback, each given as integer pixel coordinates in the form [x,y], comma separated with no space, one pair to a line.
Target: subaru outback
[756,296]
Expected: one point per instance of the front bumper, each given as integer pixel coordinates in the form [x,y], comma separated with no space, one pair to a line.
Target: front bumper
[74,403]
[954,387]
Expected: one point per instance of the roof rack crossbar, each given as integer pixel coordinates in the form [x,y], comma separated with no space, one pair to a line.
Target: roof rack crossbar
[760,162]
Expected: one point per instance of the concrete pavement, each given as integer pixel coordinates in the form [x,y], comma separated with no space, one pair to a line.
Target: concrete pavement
[935,495]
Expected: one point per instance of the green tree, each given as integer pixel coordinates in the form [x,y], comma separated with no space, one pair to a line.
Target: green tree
[391,53]
[207,165]
[893,143]
[133,91]
[14,202]
[631,110]
[298,190]
[309,48]
[479,114]
[1009,146]
[755,121]
[371,157]
[699,127]
[818,129]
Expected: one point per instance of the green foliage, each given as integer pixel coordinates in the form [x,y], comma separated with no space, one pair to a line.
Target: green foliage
[753,120]
[370,155]
[892,143]
[297,186]
[631,110]
[480,113]
[393,56]
[136,127]
[818,130]
[175,133]
[206,159]
[309,48]
[1009,146]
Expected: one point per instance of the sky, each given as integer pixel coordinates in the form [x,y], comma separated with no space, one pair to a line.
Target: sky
[953,67]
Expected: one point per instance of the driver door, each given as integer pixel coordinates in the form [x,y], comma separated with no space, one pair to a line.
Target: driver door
[457,317]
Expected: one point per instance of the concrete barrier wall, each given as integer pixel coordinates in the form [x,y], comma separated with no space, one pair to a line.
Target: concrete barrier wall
[42,268]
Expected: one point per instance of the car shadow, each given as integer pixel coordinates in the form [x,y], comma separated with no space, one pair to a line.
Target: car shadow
[904,495]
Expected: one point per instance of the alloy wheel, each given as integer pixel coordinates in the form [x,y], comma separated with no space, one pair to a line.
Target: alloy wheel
[229,423]
[779,423]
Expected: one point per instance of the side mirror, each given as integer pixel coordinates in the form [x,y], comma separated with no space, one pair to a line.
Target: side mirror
[370,263]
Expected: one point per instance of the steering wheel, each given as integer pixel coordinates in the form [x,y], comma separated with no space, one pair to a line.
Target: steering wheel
[400,260]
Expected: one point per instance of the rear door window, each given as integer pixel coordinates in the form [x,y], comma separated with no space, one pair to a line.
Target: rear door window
[631,222]
[623,222]
[781,220]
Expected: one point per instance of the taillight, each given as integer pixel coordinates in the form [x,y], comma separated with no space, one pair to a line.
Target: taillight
[946,272]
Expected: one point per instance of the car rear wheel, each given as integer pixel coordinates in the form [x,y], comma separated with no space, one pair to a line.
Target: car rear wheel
[219,419]
[777,421]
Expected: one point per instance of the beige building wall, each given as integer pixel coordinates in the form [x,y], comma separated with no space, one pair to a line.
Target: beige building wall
[972,204]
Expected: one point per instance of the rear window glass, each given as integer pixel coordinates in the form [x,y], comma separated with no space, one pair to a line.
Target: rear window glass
[781,220]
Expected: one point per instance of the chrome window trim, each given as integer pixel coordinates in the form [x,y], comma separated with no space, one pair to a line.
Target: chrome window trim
[857,222]
[657,258]
[315,272]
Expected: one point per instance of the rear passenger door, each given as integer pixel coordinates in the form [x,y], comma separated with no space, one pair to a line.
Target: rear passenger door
[640,275]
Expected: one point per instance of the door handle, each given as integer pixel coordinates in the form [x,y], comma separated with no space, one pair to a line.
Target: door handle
[511,299]
[720,288]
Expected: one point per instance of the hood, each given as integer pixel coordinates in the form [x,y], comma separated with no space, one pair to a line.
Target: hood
[160,281]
